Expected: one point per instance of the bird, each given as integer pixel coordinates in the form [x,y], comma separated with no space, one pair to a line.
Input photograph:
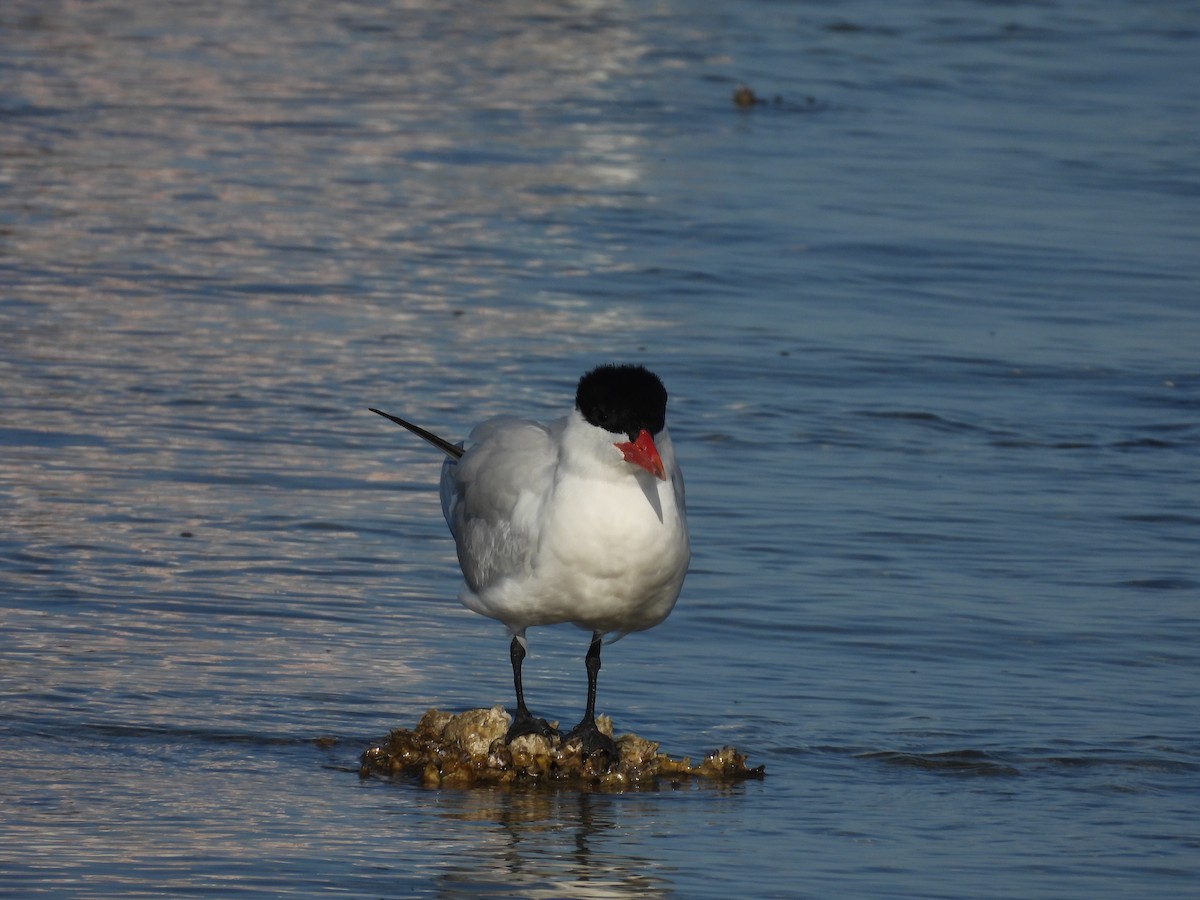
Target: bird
[580,521]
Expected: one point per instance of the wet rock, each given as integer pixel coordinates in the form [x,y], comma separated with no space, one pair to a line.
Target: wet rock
[474,731]
[468,749]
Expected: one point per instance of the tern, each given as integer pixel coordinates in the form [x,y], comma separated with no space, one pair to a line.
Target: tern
[578,521]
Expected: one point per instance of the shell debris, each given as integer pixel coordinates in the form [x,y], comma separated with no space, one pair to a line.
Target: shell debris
[468,749]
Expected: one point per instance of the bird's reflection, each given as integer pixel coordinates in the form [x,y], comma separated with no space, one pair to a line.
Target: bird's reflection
[561,844]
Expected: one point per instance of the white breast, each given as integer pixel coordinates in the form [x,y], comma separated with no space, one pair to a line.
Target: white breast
[592,541]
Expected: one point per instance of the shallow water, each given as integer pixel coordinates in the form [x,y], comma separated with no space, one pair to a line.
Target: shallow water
[928,321]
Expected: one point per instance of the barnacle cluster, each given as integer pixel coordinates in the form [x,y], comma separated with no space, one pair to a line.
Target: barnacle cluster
[467,749]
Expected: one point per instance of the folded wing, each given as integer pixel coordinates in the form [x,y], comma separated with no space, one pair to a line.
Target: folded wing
[493,497]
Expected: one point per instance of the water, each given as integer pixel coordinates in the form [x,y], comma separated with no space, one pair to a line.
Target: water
[929,322]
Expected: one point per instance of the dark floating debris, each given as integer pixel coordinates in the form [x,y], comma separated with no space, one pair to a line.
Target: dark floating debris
[468,749]
[745,98]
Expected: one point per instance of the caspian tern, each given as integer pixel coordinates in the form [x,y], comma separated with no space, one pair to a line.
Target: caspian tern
[580,521]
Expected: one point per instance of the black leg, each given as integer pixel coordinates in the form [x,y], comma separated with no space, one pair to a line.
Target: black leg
[592,663]
[516,653]
[594,740]
[524,722]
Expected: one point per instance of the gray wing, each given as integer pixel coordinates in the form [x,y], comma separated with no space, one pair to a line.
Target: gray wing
[493,497]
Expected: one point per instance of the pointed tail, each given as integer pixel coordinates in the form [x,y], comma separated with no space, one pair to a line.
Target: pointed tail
[441,443]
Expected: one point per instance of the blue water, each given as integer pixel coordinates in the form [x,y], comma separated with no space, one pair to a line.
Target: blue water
[929,317]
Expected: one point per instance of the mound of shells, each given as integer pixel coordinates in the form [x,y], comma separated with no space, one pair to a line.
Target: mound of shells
[467,749]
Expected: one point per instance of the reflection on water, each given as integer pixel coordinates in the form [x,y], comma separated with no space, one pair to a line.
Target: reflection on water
[930,342]
[193,168]
[548,844]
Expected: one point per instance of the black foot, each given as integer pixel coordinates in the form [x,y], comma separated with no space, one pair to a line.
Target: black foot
[524,722]
[594,740]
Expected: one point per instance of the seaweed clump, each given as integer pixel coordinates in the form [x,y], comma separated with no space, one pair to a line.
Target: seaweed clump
[468,749]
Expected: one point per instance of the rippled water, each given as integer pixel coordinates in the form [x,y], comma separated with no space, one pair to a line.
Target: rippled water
[928,315]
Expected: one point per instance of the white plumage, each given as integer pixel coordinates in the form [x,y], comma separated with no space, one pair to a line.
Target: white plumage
[553,525]
[581,521]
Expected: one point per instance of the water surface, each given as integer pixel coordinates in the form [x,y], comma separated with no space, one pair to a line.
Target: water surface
[928,318]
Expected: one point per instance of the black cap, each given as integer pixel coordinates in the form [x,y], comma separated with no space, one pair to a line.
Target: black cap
[623,400]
